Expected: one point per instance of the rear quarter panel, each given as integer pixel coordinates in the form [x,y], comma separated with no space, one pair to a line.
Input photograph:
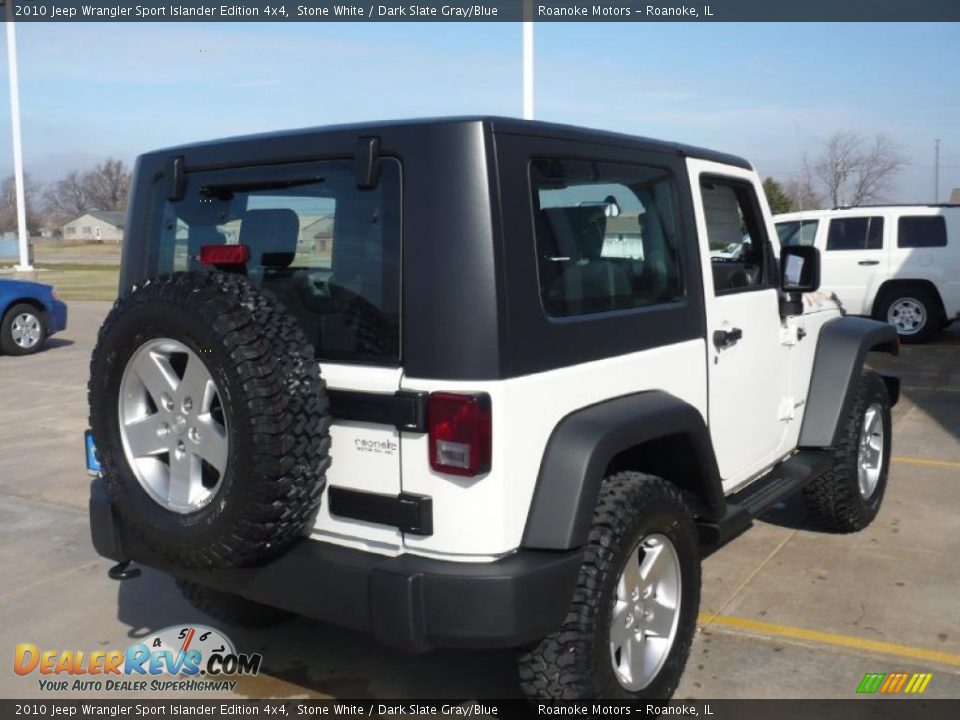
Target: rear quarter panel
[486,515]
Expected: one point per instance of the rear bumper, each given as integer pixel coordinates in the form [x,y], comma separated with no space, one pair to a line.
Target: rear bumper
[407,601]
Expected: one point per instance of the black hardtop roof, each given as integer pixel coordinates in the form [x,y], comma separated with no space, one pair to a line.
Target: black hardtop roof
[505,125]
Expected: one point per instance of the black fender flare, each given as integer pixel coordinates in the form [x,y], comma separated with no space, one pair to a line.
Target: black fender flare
[581,448]
[842,348]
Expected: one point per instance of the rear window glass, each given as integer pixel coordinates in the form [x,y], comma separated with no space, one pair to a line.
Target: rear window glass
[920,231]
[328,250]
[855,233]
[606,236]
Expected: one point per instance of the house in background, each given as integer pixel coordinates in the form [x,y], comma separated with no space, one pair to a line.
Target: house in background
[623,237]
[95,226]
[316,236]
[955,196]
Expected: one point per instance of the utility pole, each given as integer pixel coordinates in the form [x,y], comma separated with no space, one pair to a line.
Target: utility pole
[936,171]
[22,231]
[528,60]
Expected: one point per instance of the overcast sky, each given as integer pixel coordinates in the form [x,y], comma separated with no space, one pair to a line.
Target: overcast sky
[769,92]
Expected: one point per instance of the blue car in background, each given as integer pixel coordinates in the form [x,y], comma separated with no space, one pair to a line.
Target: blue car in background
[30,312]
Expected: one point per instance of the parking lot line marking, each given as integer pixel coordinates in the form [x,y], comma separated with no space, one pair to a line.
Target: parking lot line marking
[825,638]
[924,461]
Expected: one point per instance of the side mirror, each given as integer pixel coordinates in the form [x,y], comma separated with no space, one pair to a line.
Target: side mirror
[799,273]
[799,269]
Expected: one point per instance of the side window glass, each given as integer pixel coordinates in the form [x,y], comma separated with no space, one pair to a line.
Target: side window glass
[922,232]
[855,233]
[606,236]
[739,248]
[875,234]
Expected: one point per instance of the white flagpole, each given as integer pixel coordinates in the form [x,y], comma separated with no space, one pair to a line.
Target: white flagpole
[528,60]
[22,230]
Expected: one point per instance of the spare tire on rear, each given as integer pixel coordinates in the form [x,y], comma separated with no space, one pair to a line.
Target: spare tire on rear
[210,419]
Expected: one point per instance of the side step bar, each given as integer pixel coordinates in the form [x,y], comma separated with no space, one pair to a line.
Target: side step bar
[762,494]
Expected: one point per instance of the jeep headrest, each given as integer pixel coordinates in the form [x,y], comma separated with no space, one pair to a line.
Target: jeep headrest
[579,231]
[271,236]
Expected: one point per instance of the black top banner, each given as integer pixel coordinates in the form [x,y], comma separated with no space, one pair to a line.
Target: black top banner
[488,11]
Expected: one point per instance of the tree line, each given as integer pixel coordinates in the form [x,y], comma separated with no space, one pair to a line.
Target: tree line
[105,187]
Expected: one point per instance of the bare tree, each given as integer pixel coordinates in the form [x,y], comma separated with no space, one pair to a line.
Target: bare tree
[8,203]
[852,170]
[802,190]
[107,185]
[66,199]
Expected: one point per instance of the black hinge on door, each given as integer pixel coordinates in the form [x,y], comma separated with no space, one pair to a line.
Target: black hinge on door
[407,512]
[405,410]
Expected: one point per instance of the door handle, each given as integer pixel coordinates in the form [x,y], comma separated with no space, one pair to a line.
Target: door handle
[869,262]
[727,338]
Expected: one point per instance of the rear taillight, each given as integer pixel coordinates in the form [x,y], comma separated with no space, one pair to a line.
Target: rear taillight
[224,254]
[460,429]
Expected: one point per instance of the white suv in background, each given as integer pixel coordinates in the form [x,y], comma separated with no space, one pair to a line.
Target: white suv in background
[899,263]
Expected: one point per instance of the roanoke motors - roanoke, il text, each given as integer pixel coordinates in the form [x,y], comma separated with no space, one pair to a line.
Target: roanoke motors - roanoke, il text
[622,12]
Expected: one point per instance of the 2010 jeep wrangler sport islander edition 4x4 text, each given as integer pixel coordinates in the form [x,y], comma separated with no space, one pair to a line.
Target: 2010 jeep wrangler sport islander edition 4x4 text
[541,403]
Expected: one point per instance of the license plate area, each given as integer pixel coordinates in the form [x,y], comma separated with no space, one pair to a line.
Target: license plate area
[90,449]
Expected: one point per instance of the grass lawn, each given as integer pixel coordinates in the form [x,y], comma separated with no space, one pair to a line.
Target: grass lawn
[43,251]
[81,282]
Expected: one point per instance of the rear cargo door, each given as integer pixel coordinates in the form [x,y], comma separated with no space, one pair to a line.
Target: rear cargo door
[365,453]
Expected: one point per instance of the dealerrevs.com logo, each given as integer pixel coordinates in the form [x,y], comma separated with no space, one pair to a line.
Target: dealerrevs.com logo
[199,657]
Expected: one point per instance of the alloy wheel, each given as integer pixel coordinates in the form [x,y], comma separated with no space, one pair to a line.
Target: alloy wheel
[26,330]
[870,455]
[646,612]
[907,315]
[173,426]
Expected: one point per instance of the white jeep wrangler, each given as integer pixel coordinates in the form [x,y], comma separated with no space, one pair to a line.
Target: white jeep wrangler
[542,403]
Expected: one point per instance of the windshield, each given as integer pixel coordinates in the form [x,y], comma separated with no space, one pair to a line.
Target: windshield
[327,250]
[797,232]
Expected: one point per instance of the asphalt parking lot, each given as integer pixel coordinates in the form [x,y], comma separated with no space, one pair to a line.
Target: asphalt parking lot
[787,611]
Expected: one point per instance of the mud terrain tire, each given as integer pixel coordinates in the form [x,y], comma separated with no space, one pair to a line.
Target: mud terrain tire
[271,400]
